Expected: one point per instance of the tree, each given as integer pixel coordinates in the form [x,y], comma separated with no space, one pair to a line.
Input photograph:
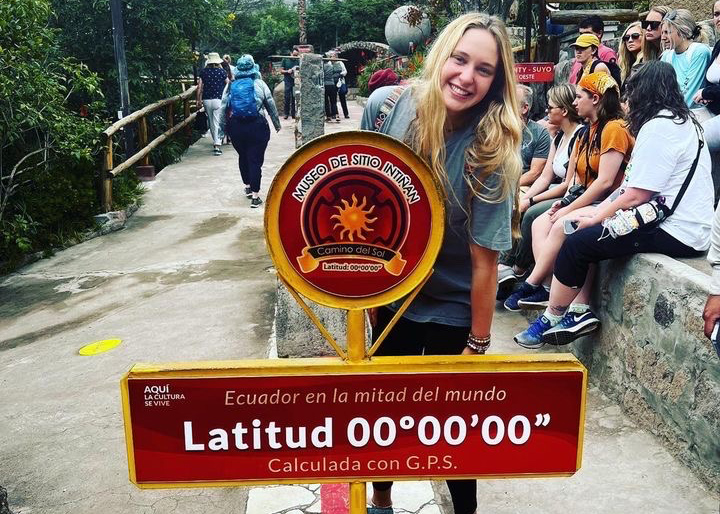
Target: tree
[160,36]
[41,127]
[268,28]
[354,20]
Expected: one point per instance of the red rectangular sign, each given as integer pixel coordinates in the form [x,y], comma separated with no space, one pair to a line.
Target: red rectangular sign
[330,426]
[535,71]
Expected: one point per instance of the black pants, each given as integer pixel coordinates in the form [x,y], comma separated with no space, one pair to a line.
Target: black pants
[250,139]
[331,101]
[583,248]
[343,103]
[412,338]
[289,101]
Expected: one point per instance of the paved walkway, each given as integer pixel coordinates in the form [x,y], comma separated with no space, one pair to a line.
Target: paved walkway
[190,279]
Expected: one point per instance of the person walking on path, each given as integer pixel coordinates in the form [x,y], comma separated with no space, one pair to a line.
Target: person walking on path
[461,116]
[341,71]
[330,77]
[211,85]
[247,100]
[287,68]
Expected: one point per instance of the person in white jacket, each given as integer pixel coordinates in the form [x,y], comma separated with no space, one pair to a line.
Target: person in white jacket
[711,314]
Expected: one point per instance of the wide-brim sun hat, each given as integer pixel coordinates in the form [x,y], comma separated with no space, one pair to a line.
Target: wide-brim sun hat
[586,40]
[214,58]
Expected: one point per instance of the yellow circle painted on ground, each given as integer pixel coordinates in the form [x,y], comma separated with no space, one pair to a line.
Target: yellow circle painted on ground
[99,347]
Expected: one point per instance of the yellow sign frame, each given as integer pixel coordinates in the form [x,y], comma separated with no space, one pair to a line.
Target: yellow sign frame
[336,366]
[284,267]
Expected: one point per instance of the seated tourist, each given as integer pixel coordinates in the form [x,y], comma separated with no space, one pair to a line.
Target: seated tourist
[653,45]
[689,58]
[630,50]
[669,157]
[595,26]
[547,188]
[709,95]
[586,53]
[536,140]
[600,156]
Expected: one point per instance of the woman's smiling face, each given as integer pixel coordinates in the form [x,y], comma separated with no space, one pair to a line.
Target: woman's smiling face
[468,73]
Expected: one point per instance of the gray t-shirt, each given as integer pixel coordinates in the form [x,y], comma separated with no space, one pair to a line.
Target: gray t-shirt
[535,144]
[445,298]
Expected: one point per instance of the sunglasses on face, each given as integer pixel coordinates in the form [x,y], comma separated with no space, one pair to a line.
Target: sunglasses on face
[628,37]
[651,25]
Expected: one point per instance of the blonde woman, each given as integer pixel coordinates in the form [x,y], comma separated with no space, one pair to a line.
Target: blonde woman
[689,58]
[630,51]
[461,116]
[652,46]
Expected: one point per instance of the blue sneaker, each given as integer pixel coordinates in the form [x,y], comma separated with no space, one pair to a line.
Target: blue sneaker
[571,327]
[532,338]
[536,301]
[524,291]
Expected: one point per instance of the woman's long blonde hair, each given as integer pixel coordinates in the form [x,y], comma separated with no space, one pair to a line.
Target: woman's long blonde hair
[651,50]
[626,59]
[499,131]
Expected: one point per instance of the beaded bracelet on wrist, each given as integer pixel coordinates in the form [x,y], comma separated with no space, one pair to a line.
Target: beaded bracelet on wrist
[478,344]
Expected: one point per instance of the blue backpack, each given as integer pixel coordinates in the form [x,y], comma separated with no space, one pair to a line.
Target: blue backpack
[242,99]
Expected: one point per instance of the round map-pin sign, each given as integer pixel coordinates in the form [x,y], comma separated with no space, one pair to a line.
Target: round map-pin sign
[354,220]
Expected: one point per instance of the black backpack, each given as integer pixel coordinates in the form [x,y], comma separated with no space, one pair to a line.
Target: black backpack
[612,66]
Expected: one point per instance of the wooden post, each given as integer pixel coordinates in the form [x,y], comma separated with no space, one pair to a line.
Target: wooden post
[143,139]
[186,115]
[569,17]
[169,116]
[528,29]
[107,178]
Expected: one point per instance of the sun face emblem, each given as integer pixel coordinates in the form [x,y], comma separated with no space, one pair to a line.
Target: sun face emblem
[353,219]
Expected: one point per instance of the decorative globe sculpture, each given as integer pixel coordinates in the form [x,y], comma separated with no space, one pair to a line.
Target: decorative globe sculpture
[400,35]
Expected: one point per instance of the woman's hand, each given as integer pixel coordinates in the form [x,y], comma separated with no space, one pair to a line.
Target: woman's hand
[585,222]
[698,98]
[554,208]
[559,213]
[469,351]
[524,204]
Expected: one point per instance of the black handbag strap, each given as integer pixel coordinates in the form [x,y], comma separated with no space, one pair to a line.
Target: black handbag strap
[686,184]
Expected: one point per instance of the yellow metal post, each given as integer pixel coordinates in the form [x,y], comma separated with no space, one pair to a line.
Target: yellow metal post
[356,335]
[356,353]
[358,504]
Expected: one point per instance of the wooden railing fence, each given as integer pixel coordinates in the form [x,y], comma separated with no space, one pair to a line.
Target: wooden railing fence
[110,171]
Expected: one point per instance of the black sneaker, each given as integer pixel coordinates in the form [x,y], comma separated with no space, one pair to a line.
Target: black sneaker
[255,203]
[573,326]
[525,290]
[248,192]
[536,301]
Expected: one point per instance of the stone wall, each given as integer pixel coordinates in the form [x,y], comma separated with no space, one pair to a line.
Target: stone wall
[652,357]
